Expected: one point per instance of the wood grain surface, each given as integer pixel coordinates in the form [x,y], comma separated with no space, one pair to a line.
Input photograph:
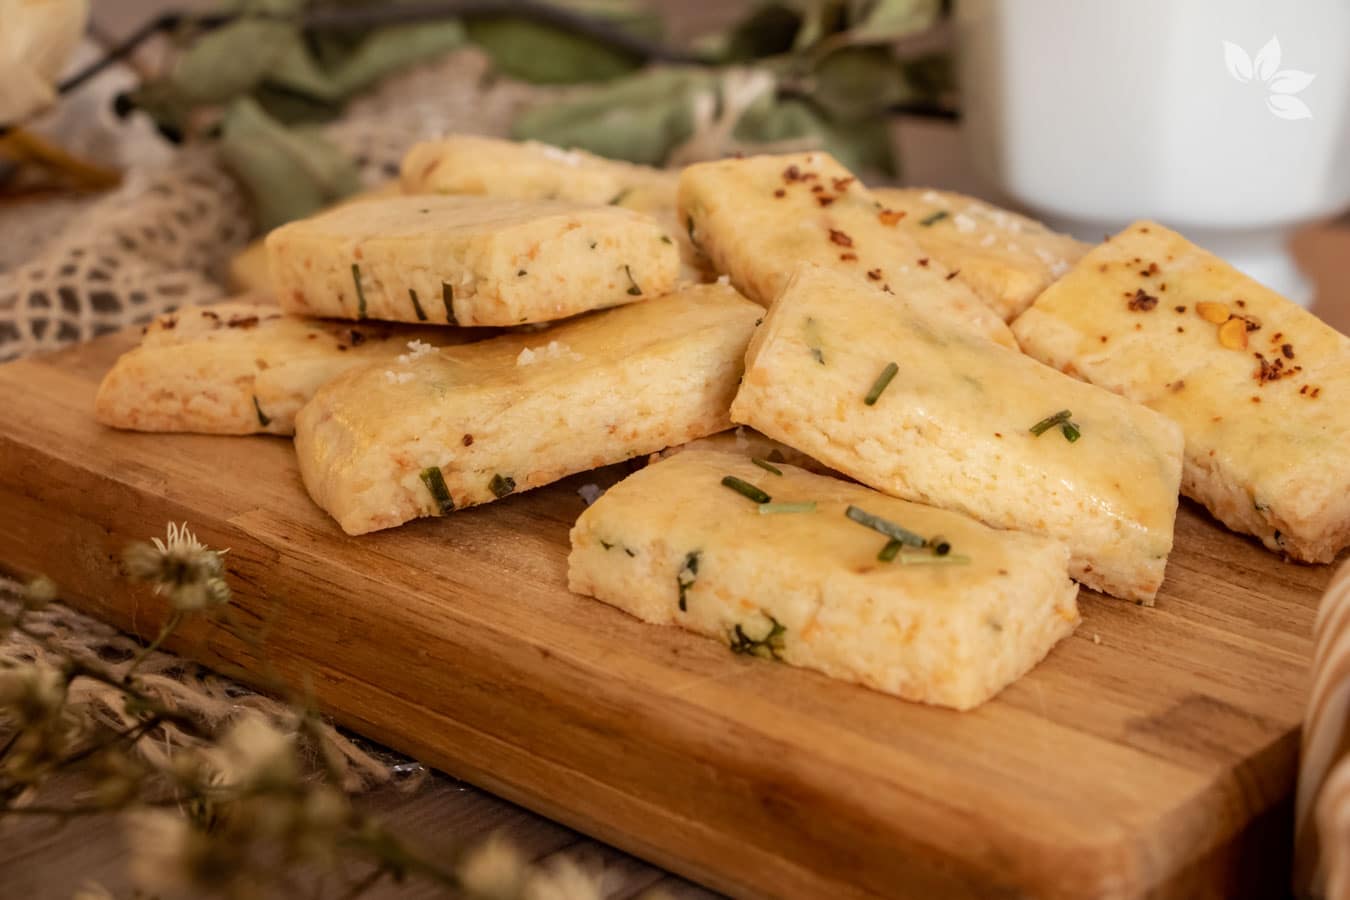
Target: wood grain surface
[1153,752]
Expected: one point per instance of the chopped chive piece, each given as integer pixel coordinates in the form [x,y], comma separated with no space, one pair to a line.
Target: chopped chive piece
[941,546]
[360,292]
[435,483]
[767,647]
[934,218]
[263,419]
[746,489]
[890,529]
[888,552]
[522,273]
[1049,422]
[501,485]
[618,198]
[927,559]
[687,575]
[811,330]
[768,509]
[417,307]
[665,239]
[1071,432]
[634,290]
[448,297]
[882,382]
[766,465]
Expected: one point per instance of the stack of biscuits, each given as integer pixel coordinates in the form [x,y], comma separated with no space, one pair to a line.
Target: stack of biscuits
[958,415]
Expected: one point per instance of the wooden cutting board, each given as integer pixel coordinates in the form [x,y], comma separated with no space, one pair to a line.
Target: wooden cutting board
[1153,753]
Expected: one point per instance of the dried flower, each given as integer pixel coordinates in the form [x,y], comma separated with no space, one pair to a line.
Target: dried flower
[32,693]
[563,879]
[494,870]
[182,567]
[39,592]
[257,755]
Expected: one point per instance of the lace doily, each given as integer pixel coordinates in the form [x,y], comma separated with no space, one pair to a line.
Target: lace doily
[165,237]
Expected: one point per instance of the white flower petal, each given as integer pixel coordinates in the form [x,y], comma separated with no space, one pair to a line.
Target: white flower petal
[1287,107]
[1290,81]
[1267,61]
[1237,61]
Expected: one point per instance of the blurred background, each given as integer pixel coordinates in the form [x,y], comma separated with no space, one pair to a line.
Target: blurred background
[1226,119]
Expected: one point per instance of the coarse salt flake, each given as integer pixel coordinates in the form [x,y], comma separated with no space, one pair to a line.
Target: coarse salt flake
[590,493]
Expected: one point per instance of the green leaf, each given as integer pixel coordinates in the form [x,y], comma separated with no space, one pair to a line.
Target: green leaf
[859,82]
[231,60]
[540,53]
[863,146]
[288,172]
[389,49]
[886,21]
[771,29]
[638,118]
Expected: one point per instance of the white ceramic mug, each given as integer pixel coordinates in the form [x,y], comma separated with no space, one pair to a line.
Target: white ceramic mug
[1228,120]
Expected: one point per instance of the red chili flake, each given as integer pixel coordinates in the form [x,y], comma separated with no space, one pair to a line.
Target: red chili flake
[1256,399]
[924,262]
[1180,309]
[467,440]
[1287,350]
[342,346]
[1163,287]
[1315,392]
[1151,270]
[780,193]
[953,274]
[825,201]
[792,173]
[1142,302]
[1251,323]
[210,314]
[169,323]
[242,322]
[997,434]
[874,274]
[1180,330]
[1102,338]
[841,184]
[1272,370]
[1303,390]
[1242,303]
[848,257]
[891,216]
[817,188]
[840,238]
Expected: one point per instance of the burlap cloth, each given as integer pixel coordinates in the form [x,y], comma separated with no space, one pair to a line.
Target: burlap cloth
[75,269]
